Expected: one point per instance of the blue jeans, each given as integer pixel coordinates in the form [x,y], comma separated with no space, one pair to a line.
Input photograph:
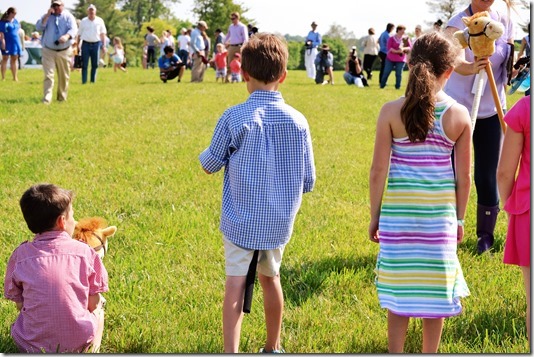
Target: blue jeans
[399,66]
[90,50]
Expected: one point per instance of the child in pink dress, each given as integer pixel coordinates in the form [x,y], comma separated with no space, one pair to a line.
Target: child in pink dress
[515,192]
[54,280]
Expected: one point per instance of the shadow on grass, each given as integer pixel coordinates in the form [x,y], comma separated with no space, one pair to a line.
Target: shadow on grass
[23,100]
[7,345]
[302,282]
[470,245]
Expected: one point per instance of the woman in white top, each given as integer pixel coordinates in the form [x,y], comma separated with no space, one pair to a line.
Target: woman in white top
[370,52]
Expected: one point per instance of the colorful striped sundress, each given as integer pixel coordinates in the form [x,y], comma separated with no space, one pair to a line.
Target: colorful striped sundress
[417,272]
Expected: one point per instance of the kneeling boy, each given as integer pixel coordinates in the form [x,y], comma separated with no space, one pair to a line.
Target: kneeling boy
[170,65]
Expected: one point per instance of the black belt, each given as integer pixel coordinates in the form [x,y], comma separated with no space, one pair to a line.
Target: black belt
[91,43]
[51,49]
[237,44]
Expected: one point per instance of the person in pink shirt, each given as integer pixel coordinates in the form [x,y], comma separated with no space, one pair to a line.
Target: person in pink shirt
[236,37]
[235,68]
[54,280]
[398,46]
[220,63]
[515,192]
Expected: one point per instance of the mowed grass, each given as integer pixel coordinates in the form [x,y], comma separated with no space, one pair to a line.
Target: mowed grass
[128,146]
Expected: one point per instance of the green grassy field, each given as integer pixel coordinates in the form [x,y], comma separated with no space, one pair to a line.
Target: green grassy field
[128,146]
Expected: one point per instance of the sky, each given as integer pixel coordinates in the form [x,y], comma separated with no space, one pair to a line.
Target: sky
[295,16]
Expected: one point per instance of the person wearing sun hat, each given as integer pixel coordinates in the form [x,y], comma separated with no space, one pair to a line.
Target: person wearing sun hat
[324,62]
[198,46]
[92,32]
[59,29]
[313,41]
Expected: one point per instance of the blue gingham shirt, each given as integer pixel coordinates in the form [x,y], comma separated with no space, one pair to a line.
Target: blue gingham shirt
[266,149]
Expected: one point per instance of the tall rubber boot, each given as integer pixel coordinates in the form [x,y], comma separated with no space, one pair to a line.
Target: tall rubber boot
[486,220]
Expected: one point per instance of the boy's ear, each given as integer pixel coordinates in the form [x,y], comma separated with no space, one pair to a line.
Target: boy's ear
[60,222]
[245,76]
[283,77]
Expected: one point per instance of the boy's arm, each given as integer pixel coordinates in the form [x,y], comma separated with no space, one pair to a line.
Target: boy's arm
[215,157]
[93,302]
[309,171]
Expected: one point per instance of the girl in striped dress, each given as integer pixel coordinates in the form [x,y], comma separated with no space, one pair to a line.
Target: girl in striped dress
[420,221]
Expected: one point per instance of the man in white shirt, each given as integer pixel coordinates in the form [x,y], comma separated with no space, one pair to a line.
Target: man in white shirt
[92,32]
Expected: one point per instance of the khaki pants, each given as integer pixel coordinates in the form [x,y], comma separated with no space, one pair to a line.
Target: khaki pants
[232,50]
[52,61]
[197,72]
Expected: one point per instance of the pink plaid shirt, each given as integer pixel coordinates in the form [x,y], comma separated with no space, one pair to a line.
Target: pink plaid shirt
[53,277]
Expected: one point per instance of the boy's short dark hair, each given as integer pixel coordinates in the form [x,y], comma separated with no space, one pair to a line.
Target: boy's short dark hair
[264,57]
[168,49]
[42,204]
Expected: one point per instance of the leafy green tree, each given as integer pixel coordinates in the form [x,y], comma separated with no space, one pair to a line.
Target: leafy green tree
[141,11]
[338,49]
[28,27]
[216,13]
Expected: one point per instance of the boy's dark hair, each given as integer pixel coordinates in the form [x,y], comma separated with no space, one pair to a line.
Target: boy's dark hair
[168,49]
[42,204]
[264,57]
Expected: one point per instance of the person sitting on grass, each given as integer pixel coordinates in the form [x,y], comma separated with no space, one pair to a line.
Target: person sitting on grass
[170,65]
[263,185]
[54,280]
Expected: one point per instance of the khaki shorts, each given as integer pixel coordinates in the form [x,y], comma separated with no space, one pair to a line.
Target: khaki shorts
[238,260]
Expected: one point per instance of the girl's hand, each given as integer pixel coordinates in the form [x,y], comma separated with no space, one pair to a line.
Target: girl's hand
[373,231]
[460,234]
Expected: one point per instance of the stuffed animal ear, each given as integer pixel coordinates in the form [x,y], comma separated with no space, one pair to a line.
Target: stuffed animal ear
[460,36]
[109,231]
[466,20]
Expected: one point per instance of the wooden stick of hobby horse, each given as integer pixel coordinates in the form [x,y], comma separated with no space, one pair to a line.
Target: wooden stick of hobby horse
[496,99]
[249,283]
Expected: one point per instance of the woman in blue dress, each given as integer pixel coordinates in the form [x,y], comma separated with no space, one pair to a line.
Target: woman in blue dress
[9,41]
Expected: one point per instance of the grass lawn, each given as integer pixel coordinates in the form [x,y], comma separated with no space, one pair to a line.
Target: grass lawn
[128,146]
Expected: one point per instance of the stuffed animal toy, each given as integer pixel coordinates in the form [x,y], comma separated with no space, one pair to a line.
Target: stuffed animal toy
[95,232]
[480,34]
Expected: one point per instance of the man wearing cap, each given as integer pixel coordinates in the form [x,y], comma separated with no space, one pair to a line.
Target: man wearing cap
[198,46]
[313,41]
[59,29]
[236,37]
[92,32]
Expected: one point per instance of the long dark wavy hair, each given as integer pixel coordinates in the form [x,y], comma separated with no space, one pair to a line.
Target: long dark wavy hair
[432,55]
[6,14]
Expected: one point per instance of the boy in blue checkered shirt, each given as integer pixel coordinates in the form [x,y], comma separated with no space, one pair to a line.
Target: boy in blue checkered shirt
[265,147]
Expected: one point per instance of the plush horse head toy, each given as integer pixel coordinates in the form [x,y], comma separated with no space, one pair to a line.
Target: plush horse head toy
[95,232]
[480,34]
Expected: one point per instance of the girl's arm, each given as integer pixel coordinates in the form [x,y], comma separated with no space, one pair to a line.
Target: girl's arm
[462,160]
[379,169]
[19,305]
[511,151]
